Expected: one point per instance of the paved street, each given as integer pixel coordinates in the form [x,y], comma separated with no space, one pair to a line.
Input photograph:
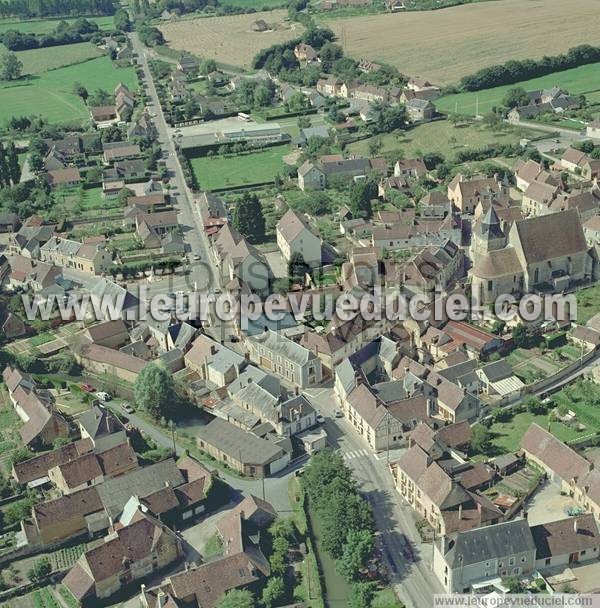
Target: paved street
[414,581]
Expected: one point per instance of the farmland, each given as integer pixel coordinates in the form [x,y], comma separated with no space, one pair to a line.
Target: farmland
[39,26]
[229,40]
[440,136]
[255,4]
[37,61]
[582,80]
[50,94]
[468,37]
[216,172]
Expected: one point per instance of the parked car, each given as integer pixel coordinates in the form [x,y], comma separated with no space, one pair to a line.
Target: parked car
[320,419]
[104,396]
[127,407]
[88,388]
[338,413]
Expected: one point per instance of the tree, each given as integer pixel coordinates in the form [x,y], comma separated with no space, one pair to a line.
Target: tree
[274,590]
[41,568]
[514,584]
[238,598]
[480,439]
[10,65]
[154,390]
[361,196]
[534,405]
[12,159]
[297,267]
[361,595]
[122,22]
[357,552]
[522,336]
[248,218]
[516,98]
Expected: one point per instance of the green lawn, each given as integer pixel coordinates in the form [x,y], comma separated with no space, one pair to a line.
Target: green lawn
[216,172]
[44,26]
[38,61]
[506,436]
[588,303]
[582,80]
[50,94]
[41,339]
[441,136]
[386,598]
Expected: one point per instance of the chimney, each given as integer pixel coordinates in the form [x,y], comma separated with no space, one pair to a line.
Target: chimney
[575,528]
[296,391]
[213,349]
[459,511]
[247,356]
[525,515]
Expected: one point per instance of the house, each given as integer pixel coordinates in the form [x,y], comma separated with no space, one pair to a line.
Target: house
[366,66]
[466,194]
[573,160]
[103,115]
[10,324]
[527,172]
[593,129]
[103,360]
[101,428]
[9,222]
[214,362]
[42,422]
[129,553]
[187,64]
[34,471]
[238,259]
[93,468]
[563,465]
[143,127]
[439,497]
[546,249]
[90,258]
[25,272]
[326,170]
[294,238]
[498,378]
[419,85]
[435,204]
[305,53]
[330,87]
[111,334]
[413,168]
[591,169]
[289,360]
[566,542]
[243,452]
[120,150]
[420,110]
[474,558]
[64,178]
[243,565]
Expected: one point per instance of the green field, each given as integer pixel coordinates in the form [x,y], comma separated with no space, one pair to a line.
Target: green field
[217,172]
[38,61]
[582,80]
[44,26]
[588,303]
[50,94]
[440,136]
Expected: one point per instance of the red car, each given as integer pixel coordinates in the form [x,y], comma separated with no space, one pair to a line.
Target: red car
[88,388]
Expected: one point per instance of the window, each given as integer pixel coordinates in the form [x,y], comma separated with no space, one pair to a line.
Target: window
[516,571]
[548,561]
[523,560]
[511,561]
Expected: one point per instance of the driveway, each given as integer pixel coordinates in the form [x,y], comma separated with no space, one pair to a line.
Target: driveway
[548,505]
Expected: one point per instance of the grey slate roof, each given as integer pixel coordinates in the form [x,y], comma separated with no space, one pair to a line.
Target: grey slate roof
[114,493]
[489,542]
[285,347]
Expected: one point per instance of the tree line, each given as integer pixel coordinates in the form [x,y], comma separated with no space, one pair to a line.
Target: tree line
[55,8]
[517,70]
[81,30]
[10,170]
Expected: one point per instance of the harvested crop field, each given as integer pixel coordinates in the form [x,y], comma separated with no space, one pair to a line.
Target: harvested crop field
[447,44]
[229,40]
